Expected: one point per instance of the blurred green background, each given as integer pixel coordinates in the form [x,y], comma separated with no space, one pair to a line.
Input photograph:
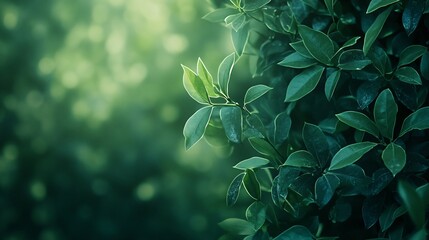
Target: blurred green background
[92,111]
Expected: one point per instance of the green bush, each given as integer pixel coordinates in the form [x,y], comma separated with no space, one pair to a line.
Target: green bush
[339,125]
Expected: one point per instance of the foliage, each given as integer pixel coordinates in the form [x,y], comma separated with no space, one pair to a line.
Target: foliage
[339,124]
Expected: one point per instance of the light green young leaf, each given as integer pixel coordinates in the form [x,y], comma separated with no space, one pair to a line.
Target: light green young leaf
[303,83]
[219,15]
[394,158]
[331,84]
[224,72]
[358,121]
[408,75]
[256,214]
[296,232]
[412,202]
[255,92]
[251,163]
[232,121]
[251,184]
[418,120]
[353,59]
[251,5]
[206,78]
[196,126]
[410,54]
[282,125]
[376,4]
[318,44]
[301,158]
[375,29]
[350,154]
[296,60]
[325,187]
[194,86]
[237,226]
[234,190]
[385,110]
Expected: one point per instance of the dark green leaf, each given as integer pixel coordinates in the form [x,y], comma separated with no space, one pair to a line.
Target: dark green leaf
[206,78]
[408,75]
[417,120]
[353,180]
[420,235]
[282,125]
[224,72]
[412,13]
[372,208]
[318,44]
[353,60]
[255,127]
[367,92]
[215,136]
[296,60]
[234,190]
[196,126]
[340,212]
[263,146]
[387,217]
[325,188]
[303,83]
[406,94]
[253,162]
[219,15]
[255,92]
[331,84]
[423,192]
[394,158]
[279,190]
[380,180]
[380,60]
[256,214]
[232,122]
[350,154]
[301,49]
[424,66]
[194,86]
[251,184]
[237,226]
[376,4]
[301,158]
[385,110]
[296,232]
[375,29]
[316,143]
[239,39]
[349,43]
[410,54]
[412,202]
[358,121]
[251,5]
[330,6]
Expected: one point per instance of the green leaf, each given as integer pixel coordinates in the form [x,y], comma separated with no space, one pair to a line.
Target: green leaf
[232,122]
[350,154]
[282,125]
[234,190]
[251,5]
[255,92]
[385,110]
[194,86]
[330,6]
[349,43]
[239,39]
[412,203]
[419,235]
[376,4]
[413,11]
[423,192]
[255,127]
[251,184]
[358,121]
[372,208]
[256,214]
[219,15]
[301,158]
[375,29]
[316,143]
[253,162]
[394,158]
[380,60]
[196,126]
[303,83]
[408,75]
[237,226]
[206,78]
[262,146]
[280,188]
[325,188]
[424,66]
[353,59]
[224,72]
[301,49]
[353,180]
[296,232]
[296,60]
[417,120]
[410,54]
[318,44]
[236,21]
[331,84]
[388,217]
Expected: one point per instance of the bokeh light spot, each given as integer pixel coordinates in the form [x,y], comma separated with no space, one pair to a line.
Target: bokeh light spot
[38,190]
[145,191]
[169,113]
[10,19]
[175,43]
[46,65]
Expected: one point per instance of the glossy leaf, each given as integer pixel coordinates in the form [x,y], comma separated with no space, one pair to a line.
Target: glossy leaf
[206,78]
[253,162]
[331,84]
[224,72]
[194,86]
[353,60]
[380,180]
[219,15]
[380,60]
[424,66]
[280,188]
[296,60]
[394,158]
[316,143]
[368,92]
[262,146]
[251,184]
[352,41]
[325,188]
[350,154]
[234,190]
[410,54]
[388,217]
[374,30]
[237,226]
[412,203]
[256,214]
[418,120]
[358,121]
[413,11]
[303,83]
[255,92]
[300,48]
[196,126]
[301,158]
[318,44]
[232,122]
[251,5]
[240,38]
[408,75]
[282,125]
[385,110]
[296,232]
[406,94]
[353,180]
[376,4]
